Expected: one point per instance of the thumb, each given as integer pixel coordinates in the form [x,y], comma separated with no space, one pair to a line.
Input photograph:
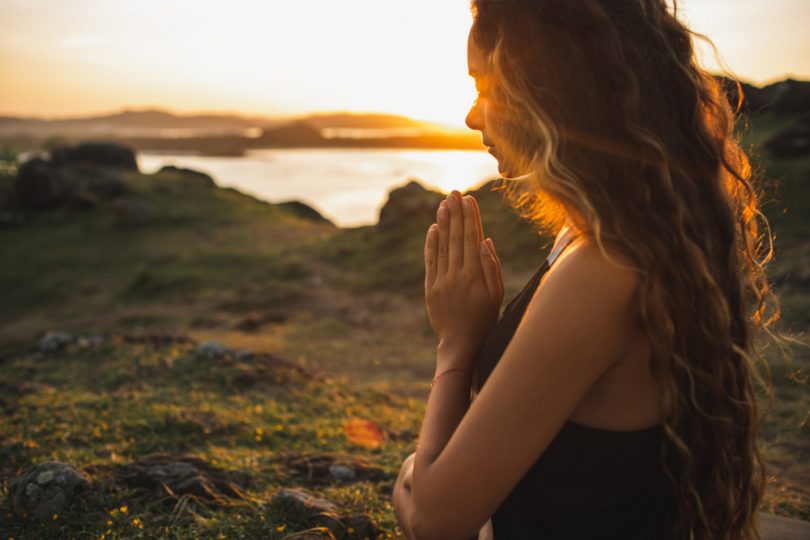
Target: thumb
[490,268]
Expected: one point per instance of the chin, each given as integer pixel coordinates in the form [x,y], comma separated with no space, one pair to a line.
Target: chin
[504,171]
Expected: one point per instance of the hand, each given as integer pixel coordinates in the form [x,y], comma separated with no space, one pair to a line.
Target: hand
[463,283]
[405,477]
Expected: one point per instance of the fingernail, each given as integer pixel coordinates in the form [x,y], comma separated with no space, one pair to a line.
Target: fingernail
[466,203]
[442,212]
[484,250]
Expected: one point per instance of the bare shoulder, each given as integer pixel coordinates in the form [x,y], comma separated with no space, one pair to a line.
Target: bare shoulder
[585,269]
[587,294]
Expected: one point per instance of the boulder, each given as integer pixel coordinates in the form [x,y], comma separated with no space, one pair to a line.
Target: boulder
[301,210]
[409,204]
[41,184]
[189,175]
[101,181]
[97,153]
[54,341]
[46,489]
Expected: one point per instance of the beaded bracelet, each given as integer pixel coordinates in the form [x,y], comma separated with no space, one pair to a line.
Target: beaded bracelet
[436,378]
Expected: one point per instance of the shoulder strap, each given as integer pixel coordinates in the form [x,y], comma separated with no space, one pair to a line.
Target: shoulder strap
[564,237]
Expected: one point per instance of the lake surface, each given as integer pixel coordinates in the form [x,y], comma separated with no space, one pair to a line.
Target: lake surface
[347,186]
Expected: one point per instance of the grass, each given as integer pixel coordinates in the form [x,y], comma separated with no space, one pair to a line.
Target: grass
[117,402]
[337,322]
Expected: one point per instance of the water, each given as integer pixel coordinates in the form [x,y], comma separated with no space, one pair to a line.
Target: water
[347,186]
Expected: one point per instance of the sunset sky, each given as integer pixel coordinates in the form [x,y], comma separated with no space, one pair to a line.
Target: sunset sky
[273,57]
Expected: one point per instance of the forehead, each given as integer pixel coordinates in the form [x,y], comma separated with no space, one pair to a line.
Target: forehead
[475,58]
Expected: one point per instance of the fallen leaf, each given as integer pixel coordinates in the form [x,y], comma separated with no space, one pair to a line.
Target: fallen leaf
[363,433]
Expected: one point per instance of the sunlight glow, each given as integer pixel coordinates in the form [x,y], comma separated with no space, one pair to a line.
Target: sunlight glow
[290,58]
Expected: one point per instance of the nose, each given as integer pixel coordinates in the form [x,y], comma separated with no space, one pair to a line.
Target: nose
[474,118]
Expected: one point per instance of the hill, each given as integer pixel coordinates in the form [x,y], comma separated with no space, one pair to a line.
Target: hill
[115,283]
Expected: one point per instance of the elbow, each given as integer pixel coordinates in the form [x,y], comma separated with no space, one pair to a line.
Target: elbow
[439,524]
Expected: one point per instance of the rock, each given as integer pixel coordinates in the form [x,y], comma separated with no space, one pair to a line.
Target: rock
[302,210]
[410,204]
[131,213]
[54,341]
[97,153]
[40,185]
[46,489]
[212,349]
[103,182]
[342,473]
[191,176]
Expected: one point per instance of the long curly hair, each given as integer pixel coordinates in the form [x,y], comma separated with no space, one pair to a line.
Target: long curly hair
[604,102]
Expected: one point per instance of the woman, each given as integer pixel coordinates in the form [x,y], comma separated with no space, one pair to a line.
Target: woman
[615,396]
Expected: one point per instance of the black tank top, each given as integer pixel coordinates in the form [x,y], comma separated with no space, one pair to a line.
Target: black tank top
[589,483]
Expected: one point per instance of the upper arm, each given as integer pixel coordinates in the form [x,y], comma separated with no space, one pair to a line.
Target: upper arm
[575,327]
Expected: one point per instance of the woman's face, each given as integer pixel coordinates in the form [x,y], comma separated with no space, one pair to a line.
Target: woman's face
[484,115]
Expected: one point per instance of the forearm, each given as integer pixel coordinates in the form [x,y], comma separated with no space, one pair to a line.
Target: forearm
[447,403]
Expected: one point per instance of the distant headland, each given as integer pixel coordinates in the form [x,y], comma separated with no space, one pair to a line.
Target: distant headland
[233,134]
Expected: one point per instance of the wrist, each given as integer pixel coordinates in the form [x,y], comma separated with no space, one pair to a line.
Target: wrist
[456,354]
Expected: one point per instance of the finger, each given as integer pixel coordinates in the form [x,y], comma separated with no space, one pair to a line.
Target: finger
[456,243]
[477,213]
[443,220]
[471,241]
[431,254]
[497,259]
[490,271]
